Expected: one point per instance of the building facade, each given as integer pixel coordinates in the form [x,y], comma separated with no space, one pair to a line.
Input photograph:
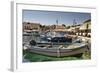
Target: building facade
[31,26]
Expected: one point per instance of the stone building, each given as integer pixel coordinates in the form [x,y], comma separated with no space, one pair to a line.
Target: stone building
[85,29]
[31,26]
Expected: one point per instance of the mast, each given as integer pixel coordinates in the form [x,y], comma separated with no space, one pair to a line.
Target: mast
[57,21]
[74,22]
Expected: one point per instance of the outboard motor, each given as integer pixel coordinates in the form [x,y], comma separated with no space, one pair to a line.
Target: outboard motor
[32,42]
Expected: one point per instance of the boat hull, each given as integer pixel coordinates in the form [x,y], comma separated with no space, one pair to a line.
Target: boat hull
[59,52]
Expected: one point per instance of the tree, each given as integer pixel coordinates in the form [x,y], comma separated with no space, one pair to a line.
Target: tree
[64,25]
[68,27]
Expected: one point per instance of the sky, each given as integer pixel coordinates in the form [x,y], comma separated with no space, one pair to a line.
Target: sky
[51,17]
